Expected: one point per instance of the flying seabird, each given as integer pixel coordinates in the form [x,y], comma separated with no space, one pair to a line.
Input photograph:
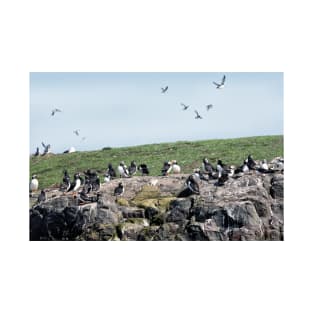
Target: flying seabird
[119,190]
[185,107]
[132,168]
[47,148]
[222,84]
[76,132]
[164,89]
[197,116]
[144,169]
[54,111]
[209,106]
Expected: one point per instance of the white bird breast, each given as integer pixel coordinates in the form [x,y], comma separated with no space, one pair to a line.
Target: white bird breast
[77,184]
[34,184]
[176,169]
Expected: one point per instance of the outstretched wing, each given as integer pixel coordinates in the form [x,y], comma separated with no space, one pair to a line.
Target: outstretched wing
[223,80]
[216,84]
[57,110]
[43,145]
[209,106]
[197,112]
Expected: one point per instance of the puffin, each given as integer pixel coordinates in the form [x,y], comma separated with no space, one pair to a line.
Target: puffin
[107,177]
[119,190]
[122,170]
[132,168]
[110,171]
[167,167]
[175,167]
[144,169]
[220,168]
[37,152]
[250,162]
[207,167]
[42,196]
[192,184]
[34,183]
[75,184]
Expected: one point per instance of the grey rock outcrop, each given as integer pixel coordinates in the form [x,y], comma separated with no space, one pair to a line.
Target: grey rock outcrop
[250,207]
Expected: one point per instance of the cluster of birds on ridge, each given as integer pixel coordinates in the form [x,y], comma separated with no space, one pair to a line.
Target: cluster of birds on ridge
[219,175]
[47,147]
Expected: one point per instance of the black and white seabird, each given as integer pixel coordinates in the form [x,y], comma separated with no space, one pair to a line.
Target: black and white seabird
[198,115]
[34,183]
[119,190]
[250,162]
[220,168]
[70,150]
[209,106]
[164,89]
[75,184]
[167,167]
[175,167]
[207,167]
[222,179]
[42,196]
[132,168]
[200,174]
[143,168]
[66,182]
[185,107]
[222,84]
[76,132]
[87,185]
[47,148]
[37,152]
[54,111]
[107,178]
[192,184]
[110,171]
[123,170]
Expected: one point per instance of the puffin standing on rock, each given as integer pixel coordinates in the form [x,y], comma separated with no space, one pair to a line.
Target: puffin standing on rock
[119,190]
[75,184]
[132,168]
[123,171]
[110,171]
[167,167]
[192,184]
[175,167]
[144,169]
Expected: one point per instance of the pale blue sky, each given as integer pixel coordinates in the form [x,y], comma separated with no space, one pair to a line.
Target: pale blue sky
[125,109]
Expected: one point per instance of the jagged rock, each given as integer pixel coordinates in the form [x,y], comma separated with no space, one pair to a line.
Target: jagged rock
[250,207]
[277,188]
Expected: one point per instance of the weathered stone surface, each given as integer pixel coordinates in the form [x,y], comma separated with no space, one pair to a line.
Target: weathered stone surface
[249,207]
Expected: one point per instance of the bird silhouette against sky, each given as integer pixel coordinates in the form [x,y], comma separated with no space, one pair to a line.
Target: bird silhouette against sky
[164,89]
[185,107]
[54,111]
[221,85]
[198,115]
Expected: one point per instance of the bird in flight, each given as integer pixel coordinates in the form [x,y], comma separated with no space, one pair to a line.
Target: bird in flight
[76,132]
[54,111]
[221,85]
[209,106]
[164,89]
[198,115]
[185,107]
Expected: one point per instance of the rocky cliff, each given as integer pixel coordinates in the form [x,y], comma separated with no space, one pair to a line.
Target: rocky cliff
[247,208]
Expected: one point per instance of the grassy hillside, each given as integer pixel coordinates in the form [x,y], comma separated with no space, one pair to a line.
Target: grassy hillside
[189,155]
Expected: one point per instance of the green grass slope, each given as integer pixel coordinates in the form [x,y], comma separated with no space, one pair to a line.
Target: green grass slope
[189,155]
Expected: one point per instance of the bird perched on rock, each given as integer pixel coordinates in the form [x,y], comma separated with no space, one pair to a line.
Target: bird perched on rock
[220,168]
[66,182]
[167,167]
[107,178]
[132,168]
[87,185]
[175,167]
[222,179]
[119,190]
[34,184]
[207,167]
[41,197]
[200,174]
[192,184]
[250,162]
[75,184]
[55,111]
[164,89]
[123,170]
[143,168]
[110,171]
[220,85]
